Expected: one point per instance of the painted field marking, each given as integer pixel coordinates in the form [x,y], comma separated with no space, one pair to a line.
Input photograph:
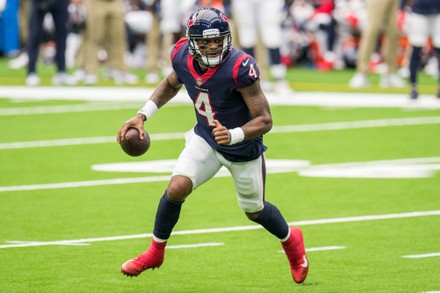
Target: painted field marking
[80,141]
[275,129]
[208,244]
[397,168]
[73,243]
[116,181]
[14,244]
[135,94]
[401,168]
[36,243]
[356,124]
[67,108]
[323,248]
[434,254]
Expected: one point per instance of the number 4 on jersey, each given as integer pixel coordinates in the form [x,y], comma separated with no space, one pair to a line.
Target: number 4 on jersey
[203,106]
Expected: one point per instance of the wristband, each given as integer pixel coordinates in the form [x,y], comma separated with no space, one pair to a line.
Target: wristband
[148,110]
[237,135]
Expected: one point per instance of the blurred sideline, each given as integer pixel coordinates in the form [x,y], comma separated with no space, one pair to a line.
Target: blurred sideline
[130,94]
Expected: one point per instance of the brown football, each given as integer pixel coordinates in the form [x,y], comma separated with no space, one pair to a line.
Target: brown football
[132,145]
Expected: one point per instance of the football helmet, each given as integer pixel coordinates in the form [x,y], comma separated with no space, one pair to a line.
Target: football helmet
[206,24]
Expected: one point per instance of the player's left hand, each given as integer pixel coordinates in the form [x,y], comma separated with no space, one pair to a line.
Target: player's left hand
[221,133]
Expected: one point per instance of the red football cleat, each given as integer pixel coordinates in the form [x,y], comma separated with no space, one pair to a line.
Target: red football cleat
[150,259]
[296,253]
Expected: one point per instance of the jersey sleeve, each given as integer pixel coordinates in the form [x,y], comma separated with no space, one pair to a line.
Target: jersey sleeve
[246,71]
[177,47]
[175,57]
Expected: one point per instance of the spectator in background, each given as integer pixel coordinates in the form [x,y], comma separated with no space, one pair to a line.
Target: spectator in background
[424,22]
[105,28]
[23,23]
[58,10]
[138,20]
[351,18]
[167,27]
[135,16]
[153,41]
[76,25]
[324,28]
[382,14]
[262,18]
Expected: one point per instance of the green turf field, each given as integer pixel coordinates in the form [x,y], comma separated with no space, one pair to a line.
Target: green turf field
[365,191]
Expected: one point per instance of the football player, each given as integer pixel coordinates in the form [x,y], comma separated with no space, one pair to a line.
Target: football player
[263,19]
[424,22]
[232,115]
[381,14]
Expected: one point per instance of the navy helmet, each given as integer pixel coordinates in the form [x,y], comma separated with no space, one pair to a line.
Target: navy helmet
[206,23]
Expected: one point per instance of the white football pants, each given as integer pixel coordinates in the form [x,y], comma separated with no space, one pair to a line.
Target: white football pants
[421,27]
[253,17]
[199,162]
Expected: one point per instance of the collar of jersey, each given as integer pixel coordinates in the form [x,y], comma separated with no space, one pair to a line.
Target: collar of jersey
[200,79]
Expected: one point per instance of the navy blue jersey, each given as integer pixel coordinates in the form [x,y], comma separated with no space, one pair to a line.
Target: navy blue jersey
[215,96]
[425,7]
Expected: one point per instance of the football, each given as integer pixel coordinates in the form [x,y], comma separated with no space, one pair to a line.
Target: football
[132,145]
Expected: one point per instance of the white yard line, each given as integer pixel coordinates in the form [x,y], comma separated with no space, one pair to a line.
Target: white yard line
[434,254]
[131,94]
[115,181]
[403,168]
[323,248]
[208,244]
[277,129]
[357,124]
[67,108]
[16,244]
[80,141]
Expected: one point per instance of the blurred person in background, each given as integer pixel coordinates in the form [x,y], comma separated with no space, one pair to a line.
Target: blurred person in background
[351,18]
[299,41]
[76,25]
[423,23]
[59,13]
[167,27]
[138,22]
[322,25]
[22,59]
[256,19]
[153,42]
[105,29]
[382,14]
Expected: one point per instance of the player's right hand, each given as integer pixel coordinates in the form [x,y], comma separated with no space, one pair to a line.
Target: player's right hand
[136,122]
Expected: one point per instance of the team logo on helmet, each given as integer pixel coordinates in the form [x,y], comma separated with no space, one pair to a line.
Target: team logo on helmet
[223,16]
[191,21]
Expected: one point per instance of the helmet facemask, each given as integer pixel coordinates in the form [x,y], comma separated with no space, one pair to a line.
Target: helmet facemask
[202,52]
